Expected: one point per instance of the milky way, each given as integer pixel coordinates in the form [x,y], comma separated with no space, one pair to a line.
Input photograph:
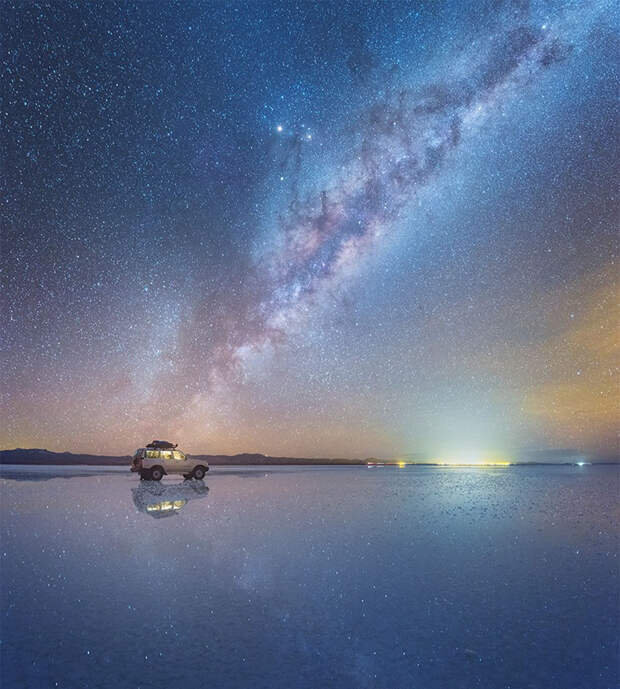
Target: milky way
[404,140]
[334,228]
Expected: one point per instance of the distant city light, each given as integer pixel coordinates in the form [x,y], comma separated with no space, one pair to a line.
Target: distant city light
[460,460]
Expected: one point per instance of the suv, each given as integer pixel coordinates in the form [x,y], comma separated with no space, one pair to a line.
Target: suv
[160,458]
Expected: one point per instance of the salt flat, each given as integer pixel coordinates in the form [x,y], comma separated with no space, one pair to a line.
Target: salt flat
[429,577]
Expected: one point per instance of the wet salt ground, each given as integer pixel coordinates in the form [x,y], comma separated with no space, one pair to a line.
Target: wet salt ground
[312,578]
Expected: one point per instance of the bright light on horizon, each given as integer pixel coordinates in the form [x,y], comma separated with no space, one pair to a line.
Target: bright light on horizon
[474,457]
[471,458]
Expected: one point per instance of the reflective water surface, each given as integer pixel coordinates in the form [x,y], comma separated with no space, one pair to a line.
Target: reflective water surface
[311,577]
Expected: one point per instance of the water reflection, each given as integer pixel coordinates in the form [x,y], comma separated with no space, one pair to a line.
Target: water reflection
[164,500]
[427,577]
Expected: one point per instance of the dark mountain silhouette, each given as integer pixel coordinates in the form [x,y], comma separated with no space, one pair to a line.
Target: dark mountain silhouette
[46,457]
[38,456]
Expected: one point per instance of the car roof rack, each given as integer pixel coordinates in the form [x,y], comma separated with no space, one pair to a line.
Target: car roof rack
[161,445]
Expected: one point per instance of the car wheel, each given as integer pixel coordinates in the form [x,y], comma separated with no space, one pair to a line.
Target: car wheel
[145,475]
[157,473]
[199,472]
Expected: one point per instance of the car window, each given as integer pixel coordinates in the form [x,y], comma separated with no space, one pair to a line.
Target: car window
[178,455]
[166,454]
[152,454]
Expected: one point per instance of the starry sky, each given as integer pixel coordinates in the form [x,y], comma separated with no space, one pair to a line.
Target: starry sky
[310,228]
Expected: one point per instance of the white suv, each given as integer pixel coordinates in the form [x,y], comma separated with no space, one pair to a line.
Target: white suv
[154,461]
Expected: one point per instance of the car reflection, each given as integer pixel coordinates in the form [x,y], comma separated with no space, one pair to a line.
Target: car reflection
[164,500]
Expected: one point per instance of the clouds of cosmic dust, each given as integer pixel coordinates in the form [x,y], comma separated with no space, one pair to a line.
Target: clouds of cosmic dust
[404,141]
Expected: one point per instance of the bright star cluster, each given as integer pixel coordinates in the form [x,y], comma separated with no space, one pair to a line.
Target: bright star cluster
[313,229]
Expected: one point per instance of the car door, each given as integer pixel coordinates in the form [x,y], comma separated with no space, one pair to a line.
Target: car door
[167,462]
[152,458]
[180,461]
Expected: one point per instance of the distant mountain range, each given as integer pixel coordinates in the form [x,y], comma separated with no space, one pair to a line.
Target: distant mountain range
[37,456]
[46,457]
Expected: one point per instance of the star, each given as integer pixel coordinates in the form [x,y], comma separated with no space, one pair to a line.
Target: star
[412,254]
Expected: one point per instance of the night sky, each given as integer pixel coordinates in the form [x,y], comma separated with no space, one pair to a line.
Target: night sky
[314,229]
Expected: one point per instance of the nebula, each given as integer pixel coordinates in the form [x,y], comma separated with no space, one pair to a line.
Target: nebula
[404,141]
